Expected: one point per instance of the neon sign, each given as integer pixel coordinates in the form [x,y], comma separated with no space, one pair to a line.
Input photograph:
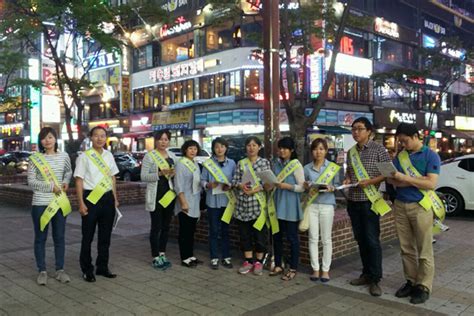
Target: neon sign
[402,117]
[177,71]
[386,27]
[180,26]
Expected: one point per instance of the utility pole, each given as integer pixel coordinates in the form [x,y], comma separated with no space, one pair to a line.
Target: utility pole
[271,76]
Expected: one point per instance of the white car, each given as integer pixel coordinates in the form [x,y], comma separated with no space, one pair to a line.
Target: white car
[203,155]
[456,182]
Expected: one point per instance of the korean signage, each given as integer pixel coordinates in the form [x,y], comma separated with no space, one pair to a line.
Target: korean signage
[435,27]
[9,130]
[181,25]
[179,119]
[125,93]
[173,5]
[386,27]
[176,71]
[390,118]
[140,123]
[315,74]
[464,122]
[103,60]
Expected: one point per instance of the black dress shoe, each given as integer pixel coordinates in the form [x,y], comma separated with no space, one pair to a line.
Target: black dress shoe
[106,274]
[405,290]
[419,295]
[88,277]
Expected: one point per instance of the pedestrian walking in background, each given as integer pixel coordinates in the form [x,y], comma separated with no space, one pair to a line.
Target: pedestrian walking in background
[287,205]
[158,172]
[49,174]
[188,189]
[97,196]
[415,202]
[250,211]
[365,203]
[320,206]
[216,178]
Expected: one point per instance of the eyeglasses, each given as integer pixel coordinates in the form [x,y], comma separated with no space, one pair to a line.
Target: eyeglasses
[360,129]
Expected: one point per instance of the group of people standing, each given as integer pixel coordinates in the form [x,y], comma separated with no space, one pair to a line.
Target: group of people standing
[234,190]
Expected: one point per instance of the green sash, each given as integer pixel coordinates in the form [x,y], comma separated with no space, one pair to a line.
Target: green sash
[430,200]
[379,206]
[219,175]
[60,201]
[284,173]
[163,165]
[325,178]
[189,164]
[106,183]
[260,196]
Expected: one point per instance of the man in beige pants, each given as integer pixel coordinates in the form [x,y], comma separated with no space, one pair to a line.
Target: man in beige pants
[418,169]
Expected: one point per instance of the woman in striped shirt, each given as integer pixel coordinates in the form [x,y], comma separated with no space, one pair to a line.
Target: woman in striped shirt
[43,194]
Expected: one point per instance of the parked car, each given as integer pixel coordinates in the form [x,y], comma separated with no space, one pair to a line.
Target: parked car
[19,158]
[203,155]
[129,167]
[456,182]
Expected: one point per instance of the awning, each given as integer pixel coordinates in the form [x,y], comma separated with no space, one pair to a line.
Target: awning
[143,134]
[458,133]
[332,130]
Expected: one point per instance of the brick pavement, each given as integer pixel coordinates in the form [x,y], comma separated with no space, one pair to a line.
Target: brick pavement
[140,289]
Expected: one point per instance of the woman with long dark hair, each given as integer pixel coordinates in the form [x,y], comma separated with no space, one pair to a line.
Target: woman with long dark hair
[49,174]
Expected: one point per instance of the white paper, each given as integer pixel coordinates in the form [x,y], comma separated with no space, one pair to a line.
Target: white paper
[218,190]
[387,169]
[267,176]
[247,178]
[118,216]
[346,186]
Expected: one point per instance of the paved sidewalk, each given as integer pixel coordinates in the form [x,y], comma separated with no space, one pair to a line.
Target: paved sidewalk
[139,289]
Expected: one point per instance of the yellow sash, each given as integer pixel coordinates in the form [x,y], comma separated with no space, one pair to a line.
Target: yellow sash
[105,183]
[219,175]
[60,201]
[163,165]
[260,196]
[284,173]
[430,200]
[325,178]
[379,206]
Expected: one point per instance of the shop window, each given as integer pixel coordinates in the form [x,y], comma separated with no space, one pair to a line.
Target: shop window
[235,83]
[138,98]
[251,83]
[166,94]
[147,98]
[177,49]
[220,38]
[204,88]
[251,32]
[157,97]
[177,92]
[189,90]
[145,57]
[350,88]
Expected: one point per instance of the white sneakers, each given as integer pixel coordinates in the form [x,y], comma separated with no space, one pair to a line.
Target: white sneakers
[60,275]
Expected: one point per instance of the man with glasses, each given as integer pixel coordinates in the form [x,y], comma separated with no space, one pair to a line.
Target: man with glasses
[365,204]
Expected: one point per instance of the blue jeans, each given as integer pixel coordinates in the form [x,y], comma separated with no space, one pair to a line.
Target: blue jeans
[215,224]
[291,231]
[59,226]
[366,228]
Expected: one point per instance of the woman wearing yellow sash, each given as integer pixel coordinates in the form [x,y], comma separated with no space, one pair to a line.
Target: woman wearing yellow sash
[288,205]
[217,173]
[187,185]
[365,214]
[44,192]
[320,207]
[97,196]
[250,210]
[418,169]
[158,172]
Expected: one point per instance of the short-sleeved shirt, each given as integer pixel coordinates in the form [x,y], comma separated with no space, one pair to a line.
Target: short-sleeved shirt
[312,174]
[370,154]
[425,161]
[228,168]
[88,171]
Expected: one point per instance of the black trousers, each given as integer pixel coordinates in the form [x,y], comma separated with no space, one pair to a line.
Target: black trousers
[251,238]
[101,215]
[160,227]
[187,228]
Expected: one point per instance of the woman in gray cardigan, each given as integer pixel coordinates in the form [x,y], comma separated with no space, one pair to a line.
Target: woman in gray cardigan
[158,172]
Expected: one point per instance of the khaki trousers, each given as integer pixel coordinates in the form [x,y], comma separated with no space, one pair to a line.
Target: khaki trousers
[414,228]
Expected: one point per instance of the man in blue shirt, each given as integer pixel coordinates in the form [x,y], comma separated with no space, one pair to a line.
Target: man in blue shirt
[414,223]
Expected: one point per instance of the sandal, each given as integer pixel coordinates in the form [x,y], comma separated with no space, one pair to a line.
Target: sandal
[290,275]
[276,271]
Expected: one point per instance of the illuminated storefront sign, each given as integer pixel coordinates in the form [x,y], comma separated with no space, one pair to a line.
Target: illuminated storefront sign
[455,53]
[428,41]
[177,71]
[351,65]
[180,119]
[386,27]
[107,124]
[315,74]
[469,74]
[464,122]
[402,117]
[180,26]
[438,29]
[103,60]
[173,5]
[9,130]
